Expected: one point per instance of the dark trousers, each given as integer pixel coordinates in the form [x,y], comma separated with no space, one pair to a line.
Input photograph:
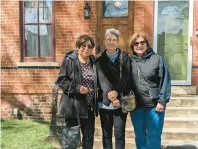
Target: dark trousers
[87,129]
[110,118]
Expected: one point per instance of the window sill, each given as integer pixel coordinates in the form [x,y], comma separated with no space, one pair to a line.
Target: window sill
[38,64]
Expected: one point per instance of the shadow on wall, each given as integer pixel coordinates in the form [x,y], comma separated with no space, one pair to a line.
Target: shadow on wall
[36,110]
[186,146]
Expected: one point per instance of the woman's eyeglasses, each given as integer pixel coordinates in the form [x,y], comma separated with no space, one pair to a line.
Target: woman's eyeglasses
[111,40]
[88,46]
[142,43]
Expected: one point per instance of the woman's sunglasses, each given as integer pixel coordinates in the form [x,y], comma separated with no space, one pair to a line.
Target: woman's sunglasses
[142,43]
[88,46]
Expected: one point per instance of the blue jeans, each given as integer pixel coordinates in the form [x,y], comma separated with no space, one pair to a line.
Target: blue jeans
[110,118]
[148,125]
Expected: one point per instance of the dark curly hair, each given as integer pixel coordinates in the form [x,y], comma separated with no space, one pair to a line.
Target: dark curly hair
[84,38]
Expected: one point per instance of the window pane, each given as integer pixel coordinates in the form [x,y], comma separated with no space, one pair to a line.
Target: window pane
[175,12]
[45,11]
[31,11]
[45,40]
[115,8]
[31,40]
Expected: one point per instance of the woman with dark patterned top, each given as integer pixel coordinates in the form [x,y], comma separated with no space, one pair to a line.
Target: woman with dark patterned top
[78,77]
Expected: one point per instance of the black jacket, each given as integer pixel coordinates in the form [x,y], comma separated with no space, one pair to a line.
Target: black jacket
[156,75]
[69,80]
[109,75]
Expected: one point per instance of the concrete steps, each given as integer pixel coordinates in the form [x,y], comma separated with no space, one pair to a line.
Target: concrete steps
[166,144]
[168,133]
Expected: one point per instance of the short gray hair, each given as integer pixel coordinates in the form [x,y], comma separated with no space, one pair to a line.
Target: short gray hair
[113,31]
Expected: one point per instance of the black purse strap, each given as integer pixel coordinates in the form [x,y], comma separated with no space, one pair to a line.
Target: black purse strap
[121,94]
[77,111]
[95,69]
[75,104]
[120,64]
[140,73]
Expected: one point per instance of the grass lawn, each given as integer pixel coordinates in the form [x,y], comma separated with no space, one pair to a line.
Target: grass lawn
[24,134]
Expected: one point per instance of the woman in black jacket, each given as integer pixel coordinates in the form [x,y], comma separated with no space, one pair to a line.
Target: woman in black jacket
[112,85]
[77,79]
[151,84]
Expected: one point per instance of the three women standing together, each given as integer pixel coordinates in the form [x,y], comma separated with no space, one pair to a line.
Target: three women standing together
[98,83]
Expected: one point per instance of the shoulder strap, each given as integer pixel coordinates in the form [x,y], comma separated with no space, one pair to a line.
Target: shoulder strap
[95,69]
[75,102]
[120,64]
[140,73]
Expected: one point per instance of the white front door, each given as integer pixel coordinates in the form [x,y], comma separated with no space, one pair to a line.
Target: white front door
[172,38]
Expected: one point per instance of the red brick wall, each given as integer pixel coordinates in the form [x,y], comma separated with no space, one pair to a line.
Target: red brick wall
[143,17]
[195,47]
[70,24]
[10,33]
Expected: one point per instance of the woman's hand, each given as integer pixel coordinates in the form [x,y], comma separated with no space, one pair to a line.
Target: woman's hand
[159,107]
[116,102]
[84,90]
[112,95]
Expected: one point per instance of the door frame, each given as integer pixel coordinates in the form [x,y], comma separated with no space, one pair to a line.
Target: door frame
[190,31]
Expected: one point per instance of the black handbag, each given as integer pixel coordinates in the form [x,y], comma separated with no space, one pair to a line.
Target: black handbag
[70,137]
[154,93]
[128,102]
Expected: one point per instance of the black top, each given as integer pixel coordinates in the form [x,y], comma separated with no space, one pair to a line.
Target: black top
[109,75]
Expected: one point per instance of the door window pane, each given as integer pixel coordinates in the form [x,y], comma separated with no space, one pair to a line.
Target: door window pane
[115,8]
[45,40]
[173,17]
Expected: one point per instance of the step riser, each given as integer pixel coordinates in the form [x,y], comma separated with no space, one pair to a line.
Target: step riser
[180,135]
[180,124]
[181,112]
[167,124]
[98,145]
[183,90]
[165,136]
[182,103]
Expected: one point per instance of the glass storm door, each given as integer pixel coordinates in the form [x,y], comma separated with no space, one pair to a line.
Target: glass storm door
[172,38]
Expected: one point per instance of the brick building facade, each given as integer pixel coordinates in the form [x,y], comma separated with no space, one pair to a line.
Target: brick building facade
[27,86]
